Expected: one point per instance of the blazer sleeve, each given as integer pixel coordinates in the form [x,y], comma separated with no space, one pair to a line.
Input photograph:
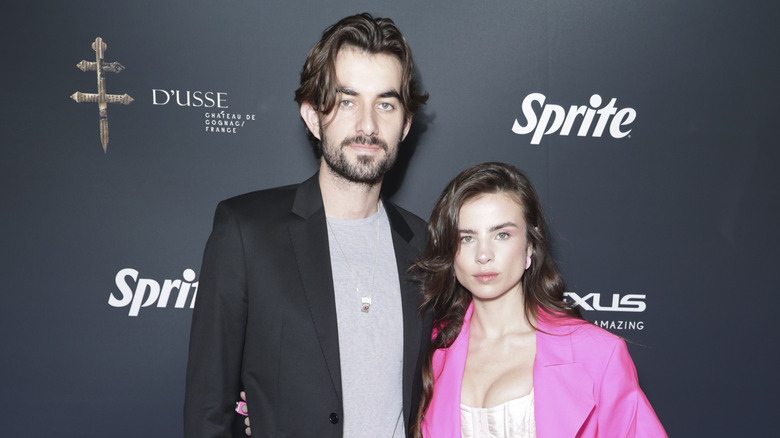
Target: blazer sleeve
[217,333]
[624,410]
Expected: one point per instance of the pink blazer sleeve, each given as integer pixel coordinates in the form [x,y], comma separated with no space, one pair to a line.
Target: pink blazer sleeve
[586,386]
[623,409]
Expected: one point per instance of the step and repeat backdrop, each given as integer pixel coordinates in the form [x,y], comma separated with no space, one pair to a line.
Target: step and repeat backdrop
[649,129]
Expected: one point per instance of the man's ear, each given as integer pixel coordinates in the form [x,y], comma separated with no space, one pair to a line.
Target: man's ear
[311,117]
[407,126]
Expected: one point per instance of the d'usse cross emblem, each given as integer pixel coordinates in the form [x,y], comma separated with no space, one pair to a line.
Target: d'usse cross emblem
[101,98]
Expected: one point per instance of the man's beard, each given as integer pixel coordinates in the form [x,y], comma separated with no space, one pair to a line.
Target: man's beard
[367,170]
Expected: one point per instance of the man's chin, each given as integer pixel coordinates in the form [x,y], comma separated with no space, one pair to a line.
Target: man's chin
[357,173]
[367,177]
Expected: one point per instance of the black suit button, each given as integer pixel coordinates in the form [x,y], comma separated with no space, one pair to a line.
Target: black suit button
[334,418]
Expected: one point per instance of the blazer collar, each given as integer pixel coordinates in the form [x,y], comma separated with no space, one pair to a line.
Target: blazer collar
[405,253]
[563,389]
[309,238]
[308,198]
[397,223]
[563,398]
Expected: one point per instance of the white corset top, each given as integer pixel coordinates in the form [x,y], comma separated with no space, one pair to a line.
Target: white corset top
[514,418]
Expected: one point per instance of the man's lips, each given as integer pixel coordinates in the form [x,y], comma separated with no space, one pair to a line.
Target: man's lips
[367,147]
[485,277]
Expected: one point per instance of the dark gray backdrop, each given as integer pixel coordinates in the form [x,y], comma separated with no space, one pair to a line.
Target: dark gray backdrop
[680,214]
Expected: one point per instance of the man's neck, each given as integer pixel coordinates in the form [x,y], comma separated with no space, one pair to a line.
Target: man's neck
[347,200]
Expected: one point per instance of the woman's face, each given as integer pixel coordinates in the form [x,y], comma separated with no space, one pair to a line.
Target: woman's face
[493,247]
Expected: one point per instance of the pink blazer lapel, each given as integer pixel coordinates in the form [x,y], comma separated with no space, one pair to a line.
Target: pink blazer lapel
[442,420]
[563,389]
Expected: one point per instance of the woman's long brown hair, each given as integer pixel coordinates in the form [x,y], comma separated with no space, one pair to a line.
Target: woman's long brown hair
[543,287]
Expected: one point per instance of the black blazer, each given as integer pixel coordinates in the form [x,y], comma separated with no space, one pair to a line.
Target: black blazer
[265,318]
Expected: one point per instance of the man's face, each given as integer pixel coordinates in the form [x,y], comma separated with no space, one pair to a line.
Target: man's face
[360,137]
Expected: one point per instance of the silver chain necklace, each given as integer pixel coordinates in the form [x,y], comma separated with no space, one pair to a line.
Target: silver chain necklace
[365,301]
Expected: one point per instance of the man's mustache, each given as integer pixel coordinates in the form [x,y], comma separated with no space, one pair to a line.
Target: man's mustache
[363,139]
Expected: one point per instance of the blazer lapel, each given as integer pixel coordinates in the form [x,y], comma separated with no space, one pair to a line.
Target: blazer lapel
[410,300]
[563,389]
[309,237]
[308,233]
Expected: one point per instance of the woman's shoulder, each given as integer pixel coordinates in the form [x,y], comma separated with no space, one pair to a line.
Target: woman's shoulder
[591,336]
[583,335]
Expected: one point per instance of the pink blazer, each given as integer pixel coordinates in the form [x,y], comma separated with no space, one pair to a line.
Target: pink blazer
[585,385]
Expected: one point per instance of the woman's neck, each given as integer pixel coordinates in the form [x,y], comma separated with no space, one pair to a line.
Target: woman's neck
[501,316]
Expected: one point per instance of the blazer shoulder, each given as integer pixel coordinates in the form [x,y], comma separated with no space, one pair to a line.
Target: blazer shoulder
[595,346]
[271,195]
[587,341]
[260,203]
[588,330]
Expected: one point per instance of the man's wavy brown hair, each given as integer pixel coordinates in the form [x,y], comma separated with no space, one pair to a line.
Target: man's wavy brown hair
[319,85]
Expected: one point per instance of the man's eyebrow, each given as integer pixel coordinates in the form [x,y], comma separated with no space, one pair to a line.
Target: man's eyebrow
[386,94]
[391,93]
[347,91]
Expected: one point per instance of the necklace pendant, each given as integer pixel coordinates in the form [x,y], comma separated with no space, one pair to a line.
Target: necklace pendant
[366,304]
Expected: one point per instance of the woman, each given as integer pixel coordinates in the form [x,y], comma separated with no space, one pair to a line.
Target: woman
[509,357]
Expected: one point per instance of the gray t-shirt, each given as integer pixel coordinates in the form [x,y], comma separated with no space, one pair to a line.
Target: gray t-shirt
[370,325]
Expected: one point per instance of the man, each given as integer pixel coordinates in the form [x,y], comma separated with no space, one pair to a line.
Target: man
[303,299]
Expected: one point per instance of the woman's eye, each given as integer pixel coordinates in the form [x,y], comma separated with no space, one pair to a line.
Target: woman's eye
[466,239]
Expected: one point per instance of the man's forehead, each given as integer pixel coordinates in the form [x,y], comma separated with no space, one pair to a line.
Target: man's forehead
[360,72]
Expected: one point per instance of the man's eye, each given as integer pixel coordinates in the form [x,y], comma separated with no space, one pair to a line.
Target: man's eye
[346,103]
[503,235]
[384,106]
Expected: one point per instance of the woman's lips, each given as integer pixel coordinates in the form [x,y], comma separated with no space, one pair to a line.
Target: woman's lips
[485,277]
